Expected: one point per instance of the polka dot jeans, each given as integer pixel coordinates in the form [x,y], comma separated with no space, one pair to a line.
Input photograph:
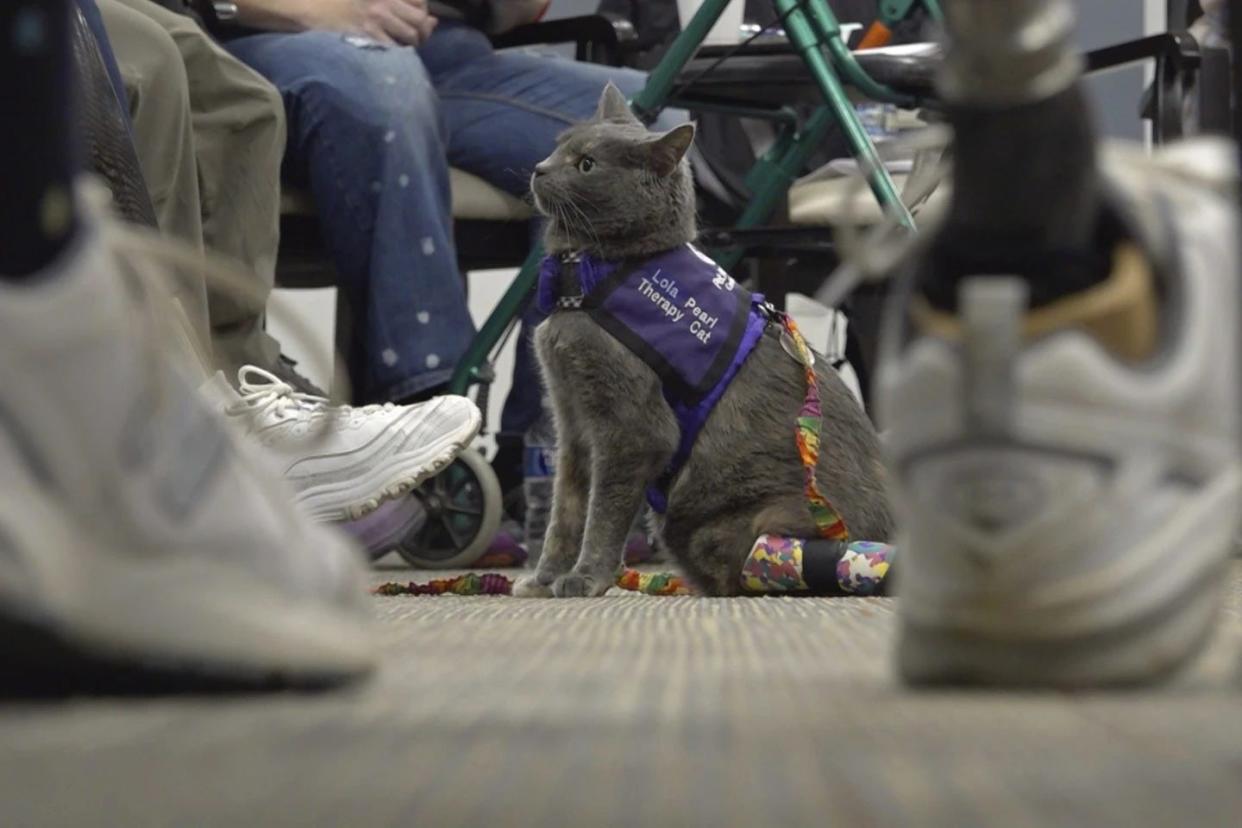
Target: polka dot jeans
[372,132]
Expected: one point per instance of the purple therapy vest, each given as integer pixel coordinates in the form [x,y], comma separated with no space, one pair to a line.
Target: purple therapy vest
[680,313]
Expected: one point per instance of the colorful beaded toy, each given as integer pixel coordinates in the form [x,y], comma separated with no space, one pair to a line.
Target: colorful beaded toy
[775,566]
[491,583]
[807,434]
[653,583]
[472,583]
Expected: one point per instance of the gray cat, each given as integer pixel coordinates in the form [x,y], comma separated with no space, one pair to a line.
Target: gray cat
[613,191]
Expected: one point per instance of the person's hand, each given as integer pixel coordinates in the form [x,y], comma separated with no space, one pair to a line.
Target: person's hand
[404,22]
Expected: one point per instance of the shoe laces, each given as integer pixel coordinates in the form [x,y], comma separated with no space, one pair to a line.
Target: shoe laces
[263,393]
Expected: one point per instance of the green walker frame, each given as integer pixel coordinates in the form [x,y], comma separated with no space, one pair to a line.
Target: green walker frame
[815,33]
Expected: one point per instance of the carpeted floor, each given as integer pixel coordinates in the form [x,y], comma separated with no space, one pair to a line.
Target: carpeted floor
[637,711]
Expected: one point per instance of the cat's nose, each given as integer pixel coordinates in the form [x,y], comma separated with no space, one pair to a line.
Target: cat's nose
[541,168]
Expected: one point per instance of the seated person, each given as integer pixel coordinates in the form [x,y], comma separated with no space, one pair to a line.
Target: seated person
[184,88]
[380,99]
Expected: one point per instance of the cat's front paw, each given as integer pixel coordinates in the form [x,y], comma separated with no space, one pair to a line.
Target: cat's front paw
[579,585]
[529,586]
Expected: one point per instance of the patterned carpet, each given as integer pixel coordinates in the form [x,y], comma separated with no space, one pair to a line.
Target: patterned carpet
[636,711]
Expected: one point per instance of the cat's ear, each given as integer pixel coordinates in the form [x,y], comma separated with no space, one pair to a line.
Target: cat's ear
[613,106]
[666,151]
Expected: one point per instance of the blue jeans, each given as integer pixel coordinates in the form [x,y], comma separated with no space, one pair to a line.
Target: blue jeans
[372,132]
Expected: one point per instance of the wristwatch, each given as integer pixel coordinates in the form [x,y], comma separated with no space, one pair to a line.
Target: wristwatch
[226,12]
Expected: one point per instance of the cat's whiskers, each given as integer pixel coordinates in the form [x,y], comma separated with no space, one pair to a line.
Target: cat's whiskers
[587,227]
[561,220]
[556,208]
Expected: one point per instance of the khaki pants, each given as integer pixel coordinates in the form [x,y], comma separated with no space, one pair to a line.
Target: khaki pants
[210,135]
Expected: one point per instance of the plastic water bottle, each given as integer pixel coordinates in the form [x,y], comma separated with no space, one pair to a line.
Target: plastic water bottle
[539,470]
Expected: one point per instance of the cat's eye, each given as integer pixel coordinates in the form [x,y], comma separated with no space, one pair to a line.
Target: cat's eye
[585,164]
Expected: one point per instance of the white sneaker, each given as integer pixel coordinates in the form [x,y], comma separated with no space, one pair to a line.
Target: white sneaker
[136,544]
[1065,512]
[341,461]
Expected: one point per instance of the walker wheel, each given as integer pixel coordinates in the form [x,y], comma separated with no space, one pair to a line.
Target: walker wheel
[464,506]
